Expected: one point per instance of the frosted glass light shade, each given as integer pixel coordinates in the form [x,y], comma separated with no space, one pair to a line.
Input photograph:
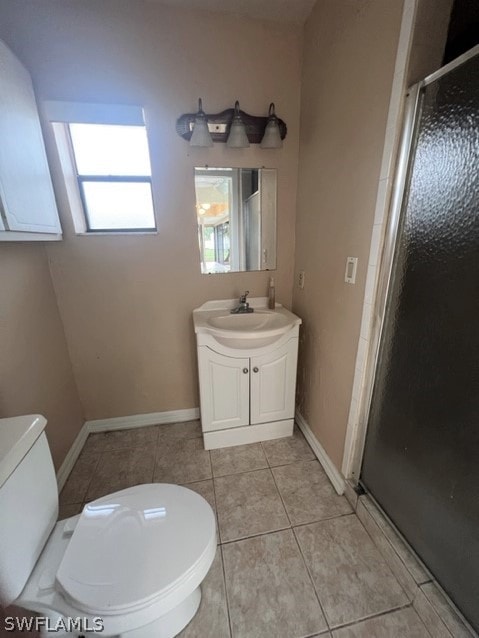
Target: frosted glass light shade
[201,135]
[272,135]
[237,137]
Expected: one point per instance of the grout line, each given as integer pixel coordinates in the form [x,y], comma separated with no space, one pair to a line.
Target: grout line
[265,454]
[211,468]
[245,538]
[381,553]
[374,616]
[217,520]
[265,467]
[297,461]
[322,520]
[323,611]
[281,497]
[230,624]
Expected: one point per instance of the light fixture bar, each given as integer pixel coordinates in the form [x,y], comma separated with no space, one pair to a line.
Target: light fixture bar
[218,125]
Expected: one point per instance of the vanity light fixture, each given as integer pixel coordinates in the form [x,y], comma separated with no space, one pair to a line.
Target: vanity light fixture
[201,134]
[233,126]
[272,134]
[237,137]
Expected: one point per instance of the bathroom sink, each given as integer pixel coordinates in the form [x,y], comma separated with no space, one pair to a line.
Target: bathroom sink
[243,331]
[260,320]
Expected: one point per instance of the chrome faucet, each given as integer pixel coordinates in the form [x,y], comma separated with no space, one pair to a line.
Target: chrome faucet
[243,306]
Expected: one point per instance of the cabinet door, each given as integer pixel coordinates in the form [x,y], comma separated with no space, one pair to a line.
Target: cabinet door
[26,192]
[224,390]
[273,383]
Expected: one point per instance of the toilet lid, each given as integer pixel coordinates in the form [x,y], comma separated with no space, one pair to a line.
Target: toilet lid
[131,547]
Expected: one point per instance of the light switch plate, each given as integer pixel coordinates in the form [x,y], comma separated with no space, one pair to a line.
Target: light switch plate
[351,268]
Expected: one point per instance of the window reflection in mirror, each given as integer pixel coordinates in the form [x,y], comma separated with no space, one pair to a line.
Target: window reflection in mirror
[236,214]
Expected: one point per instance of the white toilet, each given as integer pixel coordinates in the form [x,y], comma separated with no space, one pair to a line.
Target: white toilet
[133,559]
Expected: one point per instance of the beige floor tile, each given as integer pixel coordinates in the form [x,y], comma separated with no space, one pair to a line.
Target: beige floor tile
[381,541]
[307,493]
[447,614]
[206,489]
[404,623]
[122,439]
[76,486]
[270,594]
[181,461]
[417,570]
[66,510]
[184,430]
[211,620]
[288,449]
[430,617]
[240,458]
[351,577]
[120,469]
[248,504]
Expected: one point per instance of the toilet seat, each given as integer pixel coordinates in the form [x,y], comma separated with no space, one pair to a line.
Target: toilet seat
[138,548]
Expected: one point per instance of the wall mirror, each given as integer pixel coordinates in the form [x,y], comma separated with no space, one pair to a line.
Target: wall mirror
[236,214]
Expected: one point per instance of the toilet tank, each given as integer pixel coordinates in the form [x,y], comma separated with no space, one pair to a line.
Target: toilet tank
[28,500]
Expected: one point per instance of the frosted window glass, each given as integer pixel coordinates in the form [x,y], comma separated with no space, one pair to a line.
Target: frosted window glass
[119,205]
[104,149]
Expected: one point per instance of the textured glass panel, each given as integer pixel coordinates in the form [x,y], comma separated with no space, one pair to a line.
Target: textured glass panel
[119,205]
[422,450]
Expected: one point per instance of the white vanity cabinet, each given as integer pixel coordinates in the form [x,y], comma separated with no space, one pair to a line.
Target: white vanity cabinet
[247,377]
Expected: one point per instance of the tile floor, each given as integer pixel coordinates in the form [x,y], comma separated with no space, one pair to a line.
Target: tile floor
[293,560]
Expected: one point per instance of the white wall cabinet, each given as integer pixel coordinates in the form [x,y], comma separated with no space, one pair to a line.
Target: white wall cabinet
[247,399]
[27,200]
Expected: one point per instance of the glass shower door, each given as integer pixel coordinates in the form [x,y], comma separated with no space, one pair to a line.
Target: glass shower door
[421,460]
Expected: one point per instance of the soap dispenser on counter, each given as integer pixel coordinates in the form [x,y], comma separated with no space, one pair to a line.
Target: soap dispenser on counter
[271,295]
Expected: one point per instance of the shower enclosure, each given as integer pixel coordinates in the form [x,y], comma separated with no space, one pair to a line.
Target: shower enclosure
[421,457]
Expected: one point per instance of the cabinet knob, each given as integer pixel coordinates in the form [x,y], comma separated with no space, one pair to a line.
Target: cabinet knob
[255,369]
[245,370]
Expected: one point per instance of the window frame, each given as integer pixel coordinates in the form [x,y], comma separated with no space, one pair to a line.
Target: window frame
[81,178]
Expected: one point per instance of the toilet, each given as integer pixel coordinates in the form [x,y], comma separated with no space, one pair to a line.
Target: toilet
[131,563]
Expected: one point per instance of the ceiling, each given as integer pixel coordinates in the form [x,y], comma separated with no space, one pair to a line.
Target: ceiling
[293,11]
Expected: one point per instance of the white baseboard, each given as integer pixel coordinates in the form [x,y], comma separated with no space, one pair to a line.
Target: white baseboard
[72,455]
[141,420]
[331,470]
[118,423]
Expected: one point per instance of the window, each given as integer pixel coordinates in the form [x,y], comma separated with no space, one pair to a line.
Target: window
[113,170]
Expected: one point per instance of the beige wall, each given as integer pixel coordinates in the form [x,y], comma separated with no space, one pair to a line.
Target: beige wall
[348,65]
[35,370]
[126,301]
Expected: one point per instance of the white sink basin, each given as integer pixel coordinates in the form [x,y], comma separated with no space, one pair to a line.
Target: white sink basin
[243,330]
[260,320]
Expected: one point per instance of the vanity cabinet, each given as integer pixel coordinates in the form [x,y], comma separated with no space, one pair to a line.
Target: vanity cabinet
[247,394]
[236,391]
